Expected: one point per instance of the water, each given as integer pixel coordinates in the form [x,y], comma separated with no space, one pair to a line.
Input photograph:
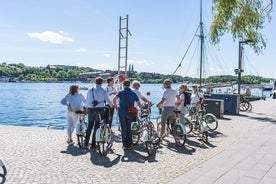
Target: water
[38,104]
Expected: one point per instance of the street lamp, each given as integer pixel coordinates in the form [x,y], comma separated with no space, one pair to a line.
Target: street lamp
[240,70]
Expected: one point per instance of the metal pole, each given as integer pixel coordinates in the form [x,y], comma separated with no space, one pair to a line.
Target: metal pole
[240,67]
[201,44]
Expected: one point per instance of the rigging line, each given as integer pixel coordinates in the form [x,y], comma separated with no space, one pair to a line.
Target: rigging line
[186,51]
[196,66]
[252,69]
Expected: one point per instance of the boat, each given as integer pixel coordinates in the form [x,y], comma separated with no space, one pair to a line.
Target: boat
[273,92]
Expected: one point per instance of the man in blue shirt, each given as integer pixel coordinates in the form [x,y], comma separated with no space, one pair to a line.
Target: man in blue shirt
[127,98]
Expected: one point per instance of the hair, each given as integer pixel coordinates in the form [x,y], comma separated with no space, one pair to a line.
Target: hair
[126,83]
[184,86]
[167,81]
[99,80]
[135,82]
[109,79]
[73,89]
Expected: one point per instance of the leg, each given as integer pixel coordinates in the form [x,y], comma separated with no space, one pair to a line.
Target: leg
[91,119]
[111,116]
[123,129]
[69,126]
[128,132]
[96,126]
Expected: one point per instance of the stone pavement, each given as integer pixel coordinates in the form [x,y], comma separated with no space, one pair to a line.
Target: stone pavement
[240,151]
[251,161]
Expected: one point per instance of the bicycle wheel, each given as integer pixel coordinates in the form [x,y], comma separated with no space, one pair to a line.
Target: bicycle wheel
[149,147]
[179,135]
[244,106]
[212,121]
[205,136]
[188,125]
[249,107]
[3,172]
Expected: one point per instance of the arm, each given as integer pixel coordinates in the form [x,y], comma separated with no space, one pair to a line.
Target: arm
[161,102]
[115,105]
[64,101]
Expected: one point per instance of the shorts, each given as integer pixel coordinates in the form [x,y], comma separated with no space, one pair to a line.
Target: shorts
[168,113]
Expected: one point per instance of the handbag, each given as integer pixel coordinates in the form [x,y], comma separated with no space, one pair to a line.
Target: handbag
[131,109]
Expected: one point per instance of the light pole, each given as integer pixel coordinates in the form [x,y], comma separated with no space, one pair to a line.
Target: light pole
[240,70]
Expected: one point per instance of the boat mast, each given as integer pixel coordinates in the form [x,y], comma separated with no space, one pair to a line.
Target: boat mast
[201,43]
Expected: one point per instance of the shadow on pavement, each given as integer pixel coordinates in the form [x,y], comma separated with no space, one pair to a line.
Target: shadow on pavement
[3,179]
[74,150]
[104,161]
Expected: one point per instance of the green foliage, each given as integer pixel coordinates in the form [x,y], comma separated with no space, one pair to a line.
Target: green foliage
[243,19]
[28,73]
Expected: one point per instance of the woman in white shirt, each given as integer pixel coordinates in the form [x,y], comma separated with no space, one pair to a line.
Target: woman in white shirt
[74,101]
[197,98]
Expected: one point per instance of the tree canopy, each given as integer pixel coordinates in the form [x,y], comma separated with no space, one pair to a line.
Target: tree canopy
[244,19]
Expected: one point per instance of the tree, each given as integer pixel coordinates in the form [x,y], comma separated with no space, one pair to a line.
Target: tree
[243,18]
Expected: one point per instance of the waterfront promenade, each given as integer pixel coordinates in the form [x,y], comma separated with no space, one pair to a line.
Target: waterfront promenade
[242,150]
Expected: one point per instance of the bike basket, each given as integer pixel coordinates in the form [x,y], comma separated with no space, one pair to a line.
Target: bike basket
[179,131]
[134,127]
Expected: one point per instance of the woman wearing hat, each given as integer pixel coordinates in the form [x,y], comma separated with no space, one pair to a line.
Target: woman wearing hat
[197,98]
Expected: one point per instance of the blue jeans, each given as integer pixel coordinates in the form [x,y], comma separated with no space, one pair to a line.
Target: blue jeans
[125,121]
[93,121]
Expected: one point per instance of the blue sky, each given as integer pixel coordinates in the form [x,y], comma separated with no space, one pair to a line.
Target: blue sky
[85,33]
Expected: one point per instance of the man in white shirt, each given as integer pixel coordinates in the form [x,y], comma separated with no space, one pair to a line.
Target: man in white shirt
[135,87]
[168,103]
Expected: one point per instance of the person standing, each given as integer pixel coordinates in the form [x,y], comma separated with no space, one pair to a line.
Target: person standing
[197,98]
[111,92]
[74,101]
[183,103]
[168,103]
[97,99]
[127,98]
[136,86]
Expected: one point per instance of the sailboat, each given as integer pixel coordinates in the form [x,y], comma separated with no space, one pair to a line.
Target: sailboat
[201,37]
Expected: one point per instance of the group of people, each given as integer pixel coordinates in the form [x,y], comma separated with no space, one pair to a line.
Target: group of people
[172,100]
[126,102]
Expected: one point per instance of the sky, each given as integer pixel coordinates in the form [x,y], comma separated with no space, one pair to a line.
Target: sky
[86,33]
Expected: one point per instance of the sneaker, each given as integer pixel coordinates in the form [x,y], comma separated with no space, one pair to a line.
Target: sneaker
[85,146]
[94,147]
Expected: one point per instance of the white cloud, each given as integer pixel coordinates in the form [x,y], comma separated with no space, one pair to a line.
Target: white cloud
[81,50]
[52,37]
[107,55]
[101,66]
[140,62]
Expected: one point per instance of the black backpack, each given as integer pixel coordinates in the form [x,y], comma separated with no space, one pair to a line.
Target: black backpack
[187,99]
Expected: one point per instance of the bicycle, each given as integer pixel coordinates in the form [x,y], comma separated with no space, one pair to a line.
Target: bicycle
[145,128]
[81,128]
[199,126]
[3,172]
[210,119]
[178,131]
[103,134]
[245,105]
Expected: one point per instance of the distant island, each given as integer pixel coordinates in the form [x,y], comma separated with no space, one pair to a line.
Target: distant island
[62,73]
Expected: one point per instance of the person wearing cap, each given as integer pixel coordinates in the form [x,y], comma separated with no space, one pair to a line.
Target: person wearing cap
[168,102]
[127,98]
[97,99]
[197,98]
[136,86]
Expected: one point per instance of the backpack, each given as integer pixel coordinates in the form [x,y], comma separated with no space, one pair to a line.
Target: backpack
[187,99]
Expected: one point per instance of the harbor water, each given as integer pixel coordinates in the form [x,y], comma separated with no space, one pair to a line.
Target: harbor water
[38,104]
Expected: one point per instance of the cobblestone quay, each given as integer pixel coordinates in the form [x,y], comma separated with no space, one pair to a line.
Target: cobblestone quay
[39,155]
